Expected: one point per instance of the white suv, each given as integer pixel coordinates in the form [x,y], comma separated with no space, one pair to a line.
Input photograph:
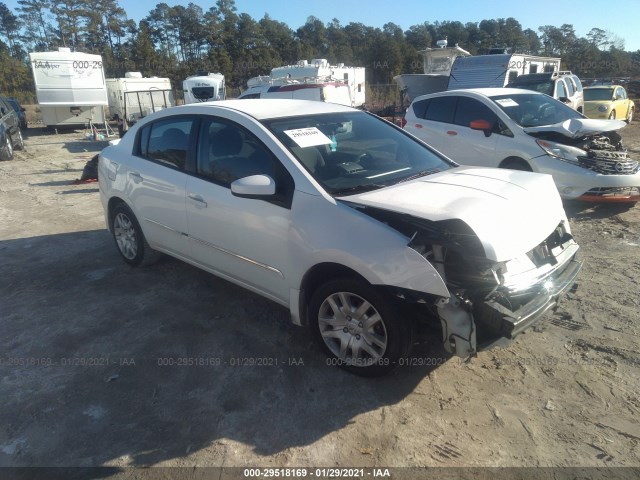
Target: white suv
[348,221]
[563,86]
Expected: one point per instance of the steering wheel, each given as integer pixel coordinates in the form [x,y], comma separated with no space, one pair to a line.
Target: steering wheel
[364,158]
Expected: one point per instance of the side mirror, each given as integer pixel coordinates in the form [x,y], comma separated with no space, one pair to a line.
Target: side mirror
[254,186]
[564,99]
[483,125]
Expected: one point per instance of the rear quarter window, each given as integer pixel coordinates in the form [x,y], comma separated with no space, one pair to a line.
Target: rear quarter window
[420,108]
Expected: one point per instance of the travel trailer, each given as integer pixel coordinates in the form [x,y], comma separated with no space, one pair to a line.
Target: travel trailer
[436,64]
[203,87]
[496,70]
[316,72]
[452,68]
[331,92]
[70,87]
[134,96]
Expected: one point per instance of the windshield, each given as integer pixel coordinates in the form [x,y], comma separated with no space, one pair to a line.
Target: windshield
[355,151]
[534,110]
[591,94]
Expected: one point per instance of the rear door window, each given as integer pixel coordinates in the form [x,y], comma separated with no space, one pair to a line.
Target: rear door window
[442,109]
[561,91]
[166,141]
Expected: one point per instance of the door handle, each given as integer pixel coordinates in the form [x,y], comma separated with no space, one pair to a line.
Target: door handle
[137,178]
[451,132]
[197,198]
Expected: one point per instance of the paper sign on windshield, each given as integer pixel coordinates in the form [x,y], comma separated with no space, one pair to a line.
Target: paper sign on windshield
[506,102]
[308,137]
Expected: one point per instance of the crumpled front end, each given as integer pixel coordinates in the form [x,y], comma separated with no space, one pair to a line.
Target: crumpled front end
[603,169]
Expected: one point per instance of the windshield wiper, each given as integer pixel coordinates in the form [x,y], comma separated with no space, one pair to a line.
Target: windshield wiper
[422,173]
[358,188]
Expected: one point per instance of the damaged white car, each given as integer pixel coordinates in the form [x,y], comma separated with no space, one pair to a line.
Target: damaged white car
[524,130]
[351,223]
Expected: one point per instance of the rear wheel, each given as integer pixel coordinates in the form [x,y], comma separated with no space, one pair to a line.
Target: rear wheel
[358,328]
[20,142]
[129,237]
[6,150]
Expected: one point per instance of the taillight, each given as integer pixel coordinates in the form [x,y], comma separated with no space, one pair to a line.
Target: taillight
[403,122]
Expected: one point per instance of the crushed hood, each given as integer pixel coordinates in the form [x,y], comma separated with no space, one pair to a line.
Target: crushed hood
[579,127]
[511,212]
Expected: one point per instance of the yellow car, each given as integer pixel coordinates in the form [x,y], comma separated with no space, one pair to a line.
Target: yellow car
[609,101]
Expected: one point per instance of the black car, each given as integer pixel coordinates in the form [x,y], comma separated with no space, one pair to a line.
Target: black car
[10,133]
[20,111]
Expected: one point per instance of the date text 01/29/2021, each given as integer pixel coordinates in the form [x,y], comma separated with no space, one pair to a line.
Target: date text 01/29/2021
[303,472]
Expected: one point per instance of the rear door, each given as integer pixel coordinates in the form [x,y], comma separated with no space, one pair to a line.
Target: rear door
[155,180]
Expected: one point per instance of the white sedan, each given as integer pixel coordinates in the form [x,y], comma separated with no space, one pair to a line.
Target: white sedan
[351,223]
[524,130]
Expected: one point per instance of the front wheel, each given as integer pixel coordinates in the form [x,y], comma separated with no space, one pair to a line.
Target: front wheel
[612,115]
[630,115]
[358,328]
[132,245]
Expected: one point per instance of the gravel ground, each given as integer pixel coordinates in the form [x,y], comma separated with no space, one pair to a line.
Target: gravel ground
[96,367]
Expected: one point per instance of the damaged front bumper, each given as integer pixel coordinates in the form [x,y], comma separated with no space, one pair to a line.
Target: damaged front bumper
[515,305]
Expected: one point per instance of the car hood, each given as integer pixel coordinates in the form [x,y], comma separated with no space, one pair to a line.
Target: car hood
[511,212]
[579,127]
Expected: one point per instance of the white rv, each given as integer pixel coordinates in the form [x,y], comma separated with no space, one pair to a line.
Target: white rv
[488,71]
[331,92]
[318,71]
[203,88]
[134,96]
[70,87]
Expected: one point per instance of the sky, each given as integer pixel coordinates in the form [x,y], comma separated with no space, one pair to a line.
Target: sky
[619,17]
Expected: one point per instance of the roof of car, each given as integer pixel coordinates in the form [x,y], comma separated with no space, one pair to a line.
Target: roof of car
[264,108]
[484,92]
[602,87]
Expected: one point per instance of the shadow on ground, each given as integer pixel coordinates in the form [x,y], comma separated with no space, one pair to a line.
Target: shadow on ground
[577,210]
[157,362]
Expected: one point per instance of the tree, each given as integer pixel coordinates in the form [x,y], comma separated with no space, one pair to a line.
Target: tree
[9,26]
[33,14]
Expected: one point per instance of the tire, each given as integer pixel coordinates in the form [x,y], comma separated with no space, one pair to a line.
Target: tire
[612,115]
[130,241]
[516,164]
[630,116]
[369,351]
[6,150]
[20,144]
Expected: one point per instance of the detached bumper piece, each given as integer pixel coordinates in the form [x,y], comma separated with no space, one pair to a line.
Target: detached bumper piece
[621,194]
[502,321]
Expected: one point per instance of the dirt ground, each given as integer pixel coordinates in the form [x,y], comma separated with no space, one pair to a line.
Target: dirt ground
[103,365]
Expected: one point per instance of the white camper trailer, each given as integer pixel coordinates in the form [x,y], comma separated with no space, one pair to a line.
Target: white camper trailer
[496,70]
[203,87]
[134,96]
[315,72]
[331,92]
[70,87]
